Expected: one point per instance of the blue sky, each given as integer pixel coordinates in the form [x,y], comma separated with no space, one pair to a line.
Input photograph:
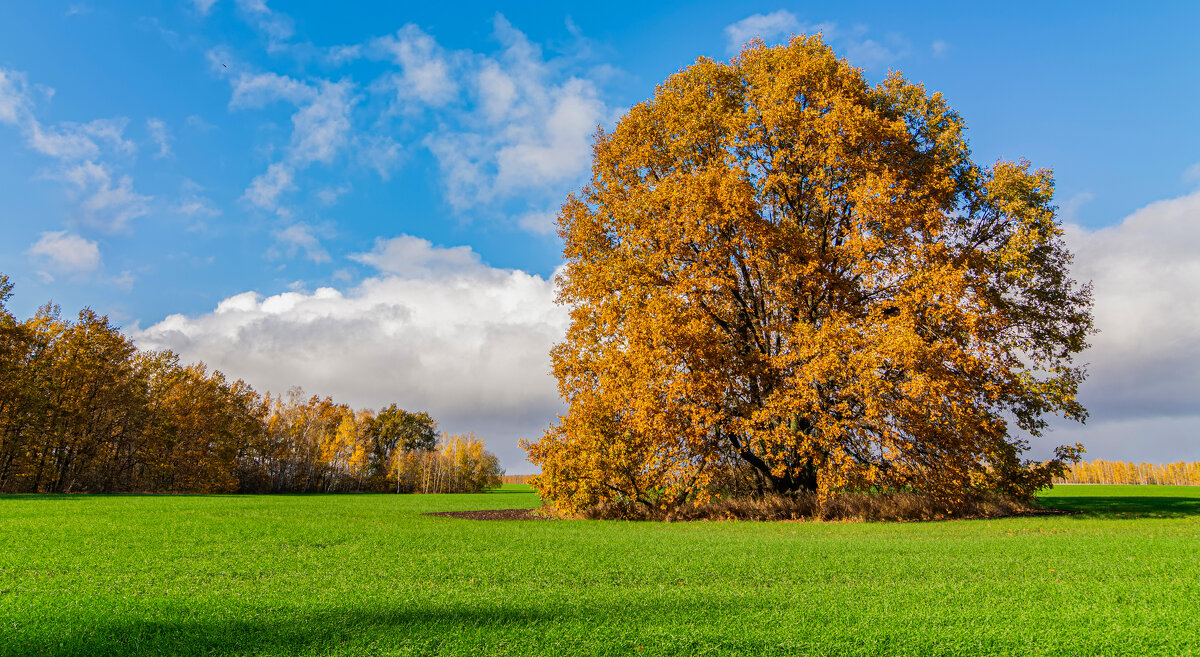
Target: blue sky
[308,166]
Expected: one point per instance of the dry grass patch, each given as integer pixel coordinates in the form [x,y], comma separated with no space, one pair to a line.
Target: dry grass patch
[861,507]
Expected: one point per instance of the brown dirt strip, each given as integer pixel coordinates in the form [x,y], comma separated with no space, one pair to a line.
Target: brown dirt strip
[528,514]
[498,514]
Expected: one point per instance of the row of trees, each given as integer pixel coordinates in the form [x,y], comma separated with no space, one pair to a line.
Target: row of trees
[83,410]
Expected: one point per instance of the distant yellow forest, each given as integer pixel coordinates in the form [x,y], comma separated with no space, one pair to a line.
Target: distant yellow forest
[1118,472]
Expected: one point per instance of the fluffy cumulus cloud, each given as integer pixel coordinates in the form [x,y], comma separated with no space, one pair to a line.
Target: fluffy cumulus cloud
[1143,389]
[434,329]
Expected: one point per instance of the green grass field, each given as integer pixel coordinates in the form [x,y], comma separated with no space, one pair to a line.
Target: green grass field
[368,574]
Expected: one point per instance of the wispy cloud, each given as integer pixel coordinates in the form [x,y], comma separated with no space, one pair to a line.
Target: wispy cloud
[304,237]
[1191,175]
[160,136]
[107,199]
[856,42]
[202,7]
[511,130]
[264,191]
[331,195]
[321,126]
[65,253]
[108,202]
[768,27]
[276,27]
[425,75]
[527,133]
[1069,210]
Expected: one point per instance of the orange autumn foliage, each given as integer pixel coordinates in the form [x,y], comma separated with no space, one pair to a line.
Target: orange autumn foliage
[782,271]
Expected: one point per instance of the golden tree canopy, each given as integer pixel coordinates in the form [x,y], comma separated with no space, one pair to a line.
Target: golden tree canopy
[782,271]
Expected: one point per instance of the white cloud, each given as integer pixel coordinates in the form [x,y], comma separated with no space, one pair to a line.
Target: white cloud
[264,191]
[331,195]
[195,206]
[1145,362]
[302,236]
[413,257]
[65,252]
[160,136]
[275,26]
[425,71]
[202,7]
[853,43]
[14,98]
[768,27]
[257,90]
[107,201]
[381,153]
[75,141]
[60,144]
[541,223]
[870,53]
[322,127]
[528,135]
[436,329]
[338,55]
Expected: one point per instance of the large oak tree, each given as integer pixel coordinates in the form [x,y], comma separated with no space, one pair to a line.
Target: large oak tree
[780,270]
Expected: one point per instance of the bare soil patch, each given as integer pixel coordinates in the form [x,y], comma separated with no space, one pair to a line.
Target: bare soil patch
[498,514]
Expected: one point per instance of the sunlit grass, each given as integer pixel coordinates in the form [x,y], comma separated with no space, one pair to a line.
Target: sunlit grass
[368,574]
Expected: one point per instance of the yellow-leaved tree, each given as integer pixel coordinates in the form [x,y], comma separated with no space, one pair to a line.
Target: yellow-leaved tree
[782,273]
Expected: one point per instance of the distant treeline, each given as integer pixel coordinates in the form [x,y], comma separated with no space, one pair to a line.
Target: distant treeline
[518,479]
[83,410]
[1117,472]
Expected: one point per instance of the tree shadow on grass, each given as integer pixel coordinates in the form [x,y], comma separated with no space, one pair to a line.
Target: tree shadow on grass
[421,630]
[480,628]
[1148,506]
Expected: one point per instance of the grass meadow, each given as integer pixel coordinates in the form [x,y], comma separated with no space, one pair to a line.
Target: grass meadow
[371,575]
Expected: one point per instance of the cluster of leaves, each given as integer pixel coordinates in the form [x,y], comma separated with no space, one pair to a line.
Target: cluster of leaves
[777,265]
[83,410]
